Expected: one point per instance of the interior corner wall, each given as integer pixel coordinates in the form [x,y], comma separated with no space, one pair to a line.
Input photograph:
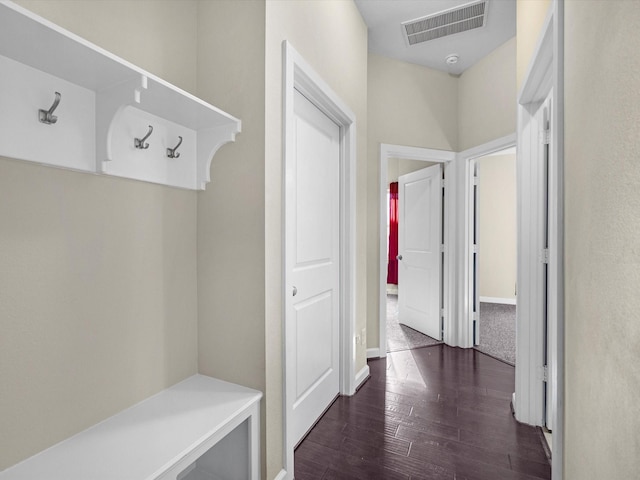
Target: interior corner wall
[487,98]
[408,105]
[530,16]
[98,274]
[332,37]
[602,227]
[497,226]
[231,252]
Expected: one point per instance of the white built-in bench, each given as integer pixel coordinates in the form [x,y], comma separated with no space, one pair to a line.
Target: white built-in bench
[199,429]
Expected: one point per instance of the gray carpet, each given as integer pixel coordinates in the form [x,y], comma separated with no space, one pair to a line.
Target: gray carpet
[498,331]
[401,337]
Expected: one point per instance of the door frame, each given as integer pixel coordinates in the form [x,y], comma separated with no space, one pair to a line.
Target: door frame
[299,75]
[466,159]
[545,76]
[445,157]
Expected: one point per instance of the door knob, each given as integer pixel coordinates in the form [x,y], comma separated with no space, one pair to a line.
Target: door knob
[399,257]
[295,291]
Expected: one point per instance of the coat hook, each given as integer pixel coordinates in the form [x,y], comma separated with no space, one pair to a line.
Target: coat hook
[171,152]
[47,116]
[139,142]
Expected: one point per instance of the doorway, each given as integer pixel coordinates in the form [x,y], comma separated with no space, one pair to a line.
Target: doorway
[414,252]
[305,91]
[394,161]
[493,256]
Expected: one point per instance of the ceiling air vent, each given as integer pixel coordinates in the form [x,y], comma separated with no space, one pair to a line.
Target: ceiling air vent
[448,22]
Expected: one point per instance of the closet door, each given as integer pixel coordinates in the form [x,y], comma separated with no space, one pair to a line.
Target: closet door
[312,267]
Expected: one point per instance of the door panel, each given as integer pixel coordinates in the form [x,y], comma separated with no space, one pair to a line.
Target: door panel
[314,360]
[419,240]
[312,257]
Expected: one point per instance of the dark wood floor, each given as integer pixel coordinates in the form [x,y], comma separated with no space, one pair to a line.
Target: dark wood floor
[431,413]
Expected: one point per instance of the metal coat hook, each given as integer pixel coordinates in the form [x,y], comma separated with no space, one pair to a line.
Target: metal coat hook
[139,142]
[171,152]
[47,116]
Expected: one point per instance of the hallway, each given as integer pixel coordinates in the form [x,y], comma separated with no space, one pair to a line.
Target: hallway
[434,413]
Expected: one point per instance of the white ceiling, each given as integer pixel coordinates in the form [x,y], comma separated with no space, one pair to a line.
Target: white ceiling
[384,18]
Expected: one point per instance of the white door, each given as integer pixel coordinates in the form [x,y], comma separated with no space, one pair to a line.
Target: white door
[312,267]
[419,240]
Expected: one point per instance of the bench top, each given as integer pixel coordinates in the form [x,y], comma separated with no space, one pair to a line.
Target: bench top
[143,441]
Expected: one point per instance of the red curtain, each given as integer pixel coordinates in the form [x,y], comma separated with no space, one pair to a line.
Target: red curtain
[392,269]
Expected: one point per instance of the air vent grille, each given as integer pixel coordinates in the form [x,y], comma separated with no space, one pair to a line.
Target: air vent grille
[449,22]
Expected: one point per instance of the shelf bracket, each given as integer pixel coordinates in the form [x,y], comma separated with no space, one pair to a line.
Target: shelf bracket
[209,141]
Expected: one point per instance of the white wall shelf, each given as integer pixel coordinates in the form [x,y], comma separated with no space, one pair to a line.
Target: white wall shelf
[106,103]
[199,428]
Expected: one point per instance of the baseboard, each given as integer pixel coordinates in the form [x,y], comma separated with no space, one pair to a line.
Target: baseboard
[373,352]
[282,474]
[361,376]
[504,301]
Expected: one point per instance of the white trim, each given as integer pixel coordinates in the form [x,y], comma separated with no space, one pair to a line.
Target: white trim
[416,153]
[503,301]
[538,81]
[299,75]
[282,474]
[465,226]
[362,376]
[388,151]
[489,148]
[545,76]
[530,277]
[373,352]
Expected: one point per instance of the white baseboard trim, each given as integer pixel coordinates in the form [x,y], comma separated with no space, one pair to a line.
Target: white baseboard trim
[282,475]
[504,301]
[361,376]
[373,352]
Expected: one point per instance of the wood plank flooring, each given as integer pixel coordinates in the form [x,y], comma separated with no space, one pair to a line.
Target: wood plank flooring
[430,413]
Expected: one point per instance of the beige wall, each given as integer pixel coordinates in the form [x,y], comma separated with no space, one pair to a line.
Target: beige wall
[401,166]
[98,285]
[231,320]
[332,38]
[230,51]
[487,98]
[530,18]
[497,226]
[602,227]
[159,37]
[407,105]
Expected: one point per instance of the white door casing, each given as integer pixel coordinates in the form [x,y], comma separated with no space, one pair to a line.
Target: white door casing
[449,290]
[544,79]
[299,76]
[550,317]
[419,255]
[313,265]
[474,255]
[467,163]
